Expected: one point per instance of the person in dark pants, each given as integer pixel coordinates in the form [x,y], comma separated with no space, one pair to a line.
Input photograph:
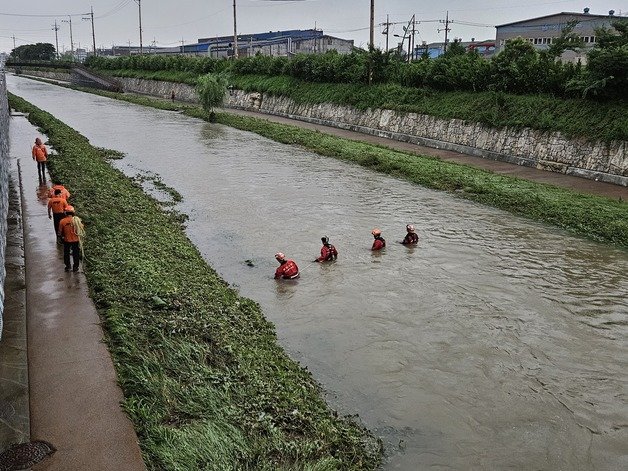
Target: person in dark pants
[40,155]
[71,231]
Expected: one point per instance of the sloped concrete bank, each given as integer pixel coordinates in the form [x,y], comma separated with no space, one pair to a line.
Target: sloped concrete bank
[551,151]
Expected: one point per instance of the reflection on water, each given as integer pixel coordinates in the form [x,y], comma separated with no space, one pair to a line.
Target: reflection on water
[497,343]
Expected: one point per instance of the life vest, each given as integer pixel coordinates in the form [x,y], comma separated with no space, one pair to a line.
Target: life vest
[328,253]
[379,243]
[287,270]
[411,238]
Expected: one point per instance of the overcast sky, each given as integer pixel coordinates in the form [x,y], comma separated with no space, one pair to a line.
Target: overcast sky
[168,22]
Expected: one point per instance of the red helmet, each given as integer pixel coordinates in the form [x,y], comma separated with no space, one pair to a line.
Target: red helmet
[280,256]
[376,232]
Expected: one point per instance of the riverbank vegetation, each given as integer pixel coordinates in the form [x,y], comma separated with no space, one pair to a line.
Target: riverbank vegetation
[205,382]
[595,217]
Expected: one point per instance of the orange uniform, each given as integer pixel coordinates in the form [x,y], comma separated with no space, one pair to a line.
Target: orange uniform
[40,154]
[64,192]
[67,231]
[57,204]
[287,270]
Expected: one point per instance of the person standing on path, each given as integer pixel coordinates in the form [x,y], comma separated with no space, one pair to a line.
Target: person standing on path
[56,209]
[40,155]
[71,232]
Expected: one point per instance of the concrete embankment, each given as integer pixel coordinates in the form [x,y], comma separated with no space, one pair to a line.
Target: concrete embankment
[550,151]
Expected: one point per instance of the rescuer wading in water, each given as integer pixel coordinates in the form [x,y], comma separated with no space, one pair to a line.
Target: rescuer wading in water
[411,237]
[379,243]
[287,269]
[328,251]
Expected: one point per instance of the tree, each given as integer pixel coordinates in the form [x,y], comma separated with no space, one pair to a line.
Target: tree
[211,89]
[516,69]
[607,65]
[567,41]
[34,52]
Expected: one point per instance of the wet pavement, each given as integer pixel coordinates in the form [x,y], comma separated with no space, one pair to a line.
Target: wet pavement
[74,396]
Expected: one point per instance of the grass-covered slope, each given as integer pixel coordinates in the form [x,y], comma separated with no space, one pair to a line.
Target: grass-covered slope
[205,382]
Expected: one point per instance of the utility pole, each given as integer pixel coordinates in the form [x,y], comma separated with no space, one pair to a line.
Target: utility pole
[139,6]
[413,33]
[235,32]
[388,24]
[372,36]
[13,40]
[55,29]
[69,20]
[182,46]
[446,29]
[91,17]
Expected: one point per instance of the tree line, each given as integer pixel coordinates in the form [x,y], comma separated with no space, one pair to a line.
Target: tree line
[520,68]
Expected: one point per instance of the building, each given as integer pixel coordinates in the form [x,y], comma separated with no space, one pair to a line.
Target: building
[543,30]
[273,43]
[485,48]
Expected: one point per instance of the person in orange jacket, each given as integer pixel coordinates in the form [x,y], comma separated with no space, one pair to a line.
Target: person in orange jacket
[70,232]
[379,243]
[328,251]
[287,269]
[56,209]
[58,186]
[40,155]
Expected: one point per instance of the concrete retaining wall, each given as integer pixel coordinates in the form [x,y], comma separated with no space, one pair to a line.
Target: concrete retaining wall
[549,151]
[4,184]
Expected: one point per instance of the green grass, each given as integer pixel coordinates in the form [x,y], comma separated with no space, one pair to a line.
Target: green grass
[205,382]
[595,217]
[572,117]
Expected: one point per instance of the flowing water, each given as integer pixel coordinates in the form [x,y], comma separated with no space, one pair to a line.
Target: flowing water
[497,343]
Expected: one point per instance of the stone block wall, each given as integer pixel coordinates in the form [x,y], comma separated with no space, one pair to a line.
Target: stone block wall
[4,184]
[549,151]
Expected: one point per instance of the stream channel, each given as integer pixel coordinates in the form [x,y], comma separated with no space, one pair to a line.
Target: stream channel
[497,343]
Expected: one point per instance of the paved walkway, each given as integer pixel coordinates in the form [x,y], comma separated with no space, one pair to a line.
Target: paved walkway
[74,396]
[503,168]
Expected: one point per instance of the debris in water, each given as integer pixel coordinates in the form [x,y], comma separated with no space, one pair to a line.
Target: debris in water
[249,263]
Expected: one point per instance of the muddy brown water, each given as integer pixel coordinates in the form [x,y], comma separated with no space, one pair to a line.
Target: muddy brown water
[497,343]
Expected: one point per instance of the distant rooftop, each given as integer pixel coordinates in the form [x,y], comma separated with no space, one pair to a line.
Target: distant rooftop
[291,33]
[584,16]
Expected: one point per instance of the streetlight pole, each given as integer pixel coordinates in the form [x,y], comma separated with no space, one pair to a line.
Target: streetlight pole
[235,32]
[139,5]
